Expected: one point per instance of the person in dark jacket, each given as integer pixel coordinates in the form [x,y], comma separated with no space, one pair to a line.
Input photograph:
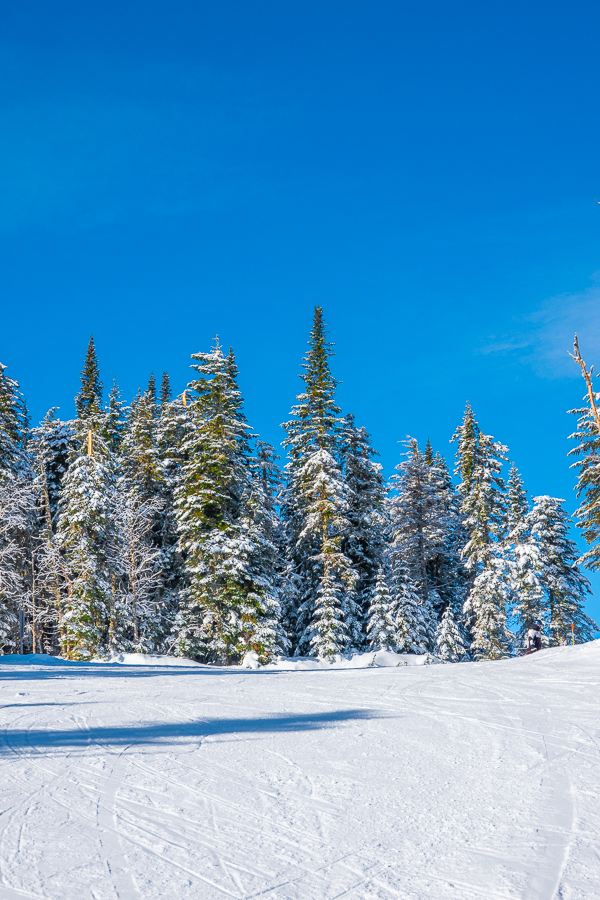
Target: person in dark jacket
[534,636]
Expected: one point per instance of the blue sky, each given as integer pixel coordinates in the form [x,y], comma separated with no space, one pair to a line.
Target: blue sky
[426,172]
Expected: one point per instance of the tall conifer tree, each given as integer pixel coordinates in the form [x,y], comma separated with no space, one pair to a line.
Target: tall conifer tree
[479,460]
[562,585]
[315,506]
[229,607]
[367,520]
[85,530]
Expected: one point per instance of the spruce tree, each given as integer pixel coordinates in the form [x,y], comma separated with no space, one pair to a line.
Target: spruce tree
[558,575]
[412,622]
[13,425]
[521,553]
[449,579]
[141,464]
[450,646]
[366,515]
[417,525]
[315,508]
[165,390]
[228,608]
[516,502]
[587,464]
[426,530]
[479,460]
[88,401]
[114,420]
[173,428]
[381,624]
[52,444]
[85,530]
[86,537]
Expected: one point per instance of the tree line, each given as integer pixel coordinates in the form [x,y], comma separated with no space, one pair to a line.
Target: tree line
[168,526]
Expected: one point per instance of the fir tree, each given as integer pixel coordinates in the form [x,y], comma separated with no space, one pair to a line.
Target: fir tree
[414,521]
[114,420]
[173,428]
[86,537]
[425,529]
[315,508]
[13,425]
[165,390]
[85,531]
[53,443]
[516,502]
[563,585]
[137,622]
[228,610]
[449,640]
[17,507]
[381,624]
[449,579]
[141,462]
[478,464]
[411,621]
[520,552]
[88,401]
[366,512]
[587,465]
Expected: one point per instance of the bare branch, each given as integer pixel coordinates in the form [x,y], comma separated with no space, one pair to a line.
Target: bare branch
[576,355]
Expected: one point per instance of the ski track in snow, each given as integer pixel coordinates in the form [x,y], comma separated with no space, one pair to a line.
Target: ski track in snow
[476,781]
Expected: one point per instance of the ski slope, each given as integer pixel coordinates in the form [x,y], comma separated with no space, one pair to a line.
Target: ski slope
[478,780]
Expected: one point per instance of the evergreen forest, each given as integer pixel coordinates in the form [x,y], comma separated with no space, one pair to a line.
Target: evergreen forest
[167,526]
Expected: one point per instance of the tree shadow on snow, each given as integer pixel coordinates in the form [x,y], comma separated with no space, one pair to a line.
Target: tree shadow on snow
[173,732]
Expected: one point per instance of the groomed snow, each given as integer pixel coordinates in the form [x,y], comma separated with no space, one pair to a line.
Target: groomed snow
[419,782]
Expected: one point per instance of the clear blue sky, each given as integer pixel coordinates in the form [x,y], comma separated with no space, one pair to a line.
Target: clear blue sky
[170,169]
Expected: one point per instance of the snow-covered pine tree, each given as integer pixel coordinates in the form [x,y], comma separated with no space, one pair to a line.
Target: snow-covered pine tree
[173,428]
[525,599]
[114,420]
[51,446]
[587,453]
[481,489]
[17,507]
[85,530]
[227,608]
[413,627]
[88,401]
[13,425]
[557,574]
[52,443]
[315,507]
[381,620]
[517,506]
[365,542]
[450,646]
[449,579]
[137,620]
[420,522]
[140,458]
[165,390]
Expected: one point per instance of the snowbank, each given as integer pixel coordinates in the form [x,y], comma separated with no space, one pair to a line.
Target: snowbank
[378,659]
[149,659]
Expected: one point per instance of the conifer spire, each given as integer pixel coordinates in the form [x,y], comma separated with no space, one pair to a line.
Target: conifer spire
[89,399]
[151,389]
[165,390]
[315,506]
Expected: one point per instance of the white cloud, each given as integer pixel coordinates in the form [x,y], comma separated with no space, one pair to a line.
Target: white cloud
[544,338]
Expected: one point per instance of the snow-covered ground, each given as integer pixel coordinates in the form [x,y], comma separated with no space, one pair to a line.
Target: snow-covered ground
[478,780]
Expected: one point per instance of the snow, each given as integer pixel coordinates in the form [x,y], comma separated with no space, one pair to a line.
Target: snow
[419,782]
